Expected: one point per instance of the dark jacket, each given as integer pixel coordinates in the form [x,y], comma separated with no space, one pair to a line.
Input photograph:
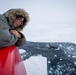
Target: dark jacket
[6,24]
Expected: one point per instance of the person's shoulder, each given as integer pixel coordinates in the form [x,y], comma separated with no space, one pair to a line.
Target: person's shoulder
[3,21]
[2,17]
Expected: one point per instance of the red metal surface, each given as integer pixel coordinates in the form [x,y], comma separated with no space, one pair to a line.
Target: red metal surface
[11,62]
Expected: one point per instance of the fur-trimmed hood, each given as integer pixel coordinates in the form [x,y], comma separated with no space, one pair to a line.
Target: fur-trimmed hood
[11,16]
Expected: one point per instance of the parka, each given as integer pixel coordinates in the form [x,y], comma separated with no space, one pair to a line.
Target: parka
[6,24]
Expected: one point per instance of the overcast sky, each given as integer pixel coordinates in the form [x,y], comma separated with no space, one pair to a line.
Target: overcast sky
[50,20]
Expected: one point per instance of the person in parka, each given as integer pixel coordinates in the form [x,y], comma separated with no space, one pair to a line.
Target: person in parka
[11,23]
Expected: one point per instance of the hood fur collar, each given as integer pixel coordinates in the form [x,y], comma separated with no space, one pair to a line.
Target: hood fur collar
[11,16]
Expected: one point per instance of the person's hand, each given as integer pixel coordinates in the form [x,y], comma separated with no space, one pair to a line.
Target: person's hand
[15,33]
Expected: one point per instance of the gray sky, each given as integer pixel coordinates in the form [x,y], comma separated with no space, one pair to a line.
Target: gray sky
[50,20]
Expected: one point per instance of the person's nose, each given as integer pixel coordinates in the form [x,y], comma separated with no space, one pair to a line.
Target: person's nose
[21,21]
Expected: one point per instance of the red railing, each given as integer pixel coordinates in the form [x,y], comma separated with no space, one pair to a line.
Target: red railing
[11,62]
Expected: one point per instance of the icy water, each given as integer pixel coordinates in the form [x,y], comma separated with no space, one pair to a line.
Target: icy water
[61,57]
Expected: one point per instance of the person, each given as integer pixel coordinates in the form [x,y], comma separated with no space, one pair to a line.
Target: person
[11,24]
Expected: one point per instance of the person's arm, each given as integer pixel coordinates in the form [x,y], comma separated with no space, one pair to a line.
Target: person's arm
[21,37]
[6,38]
[15,32]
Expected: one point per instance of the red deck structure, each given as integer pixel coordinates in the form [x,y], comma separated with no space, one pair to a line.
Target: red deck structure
[11,62]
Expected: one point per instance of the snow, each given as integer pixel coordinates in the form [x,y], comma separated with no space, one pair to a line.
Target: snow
[22,51]
[36,65]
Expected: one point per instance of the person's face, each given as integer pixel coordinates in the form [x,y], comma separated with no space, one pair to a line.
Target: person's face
[18,22]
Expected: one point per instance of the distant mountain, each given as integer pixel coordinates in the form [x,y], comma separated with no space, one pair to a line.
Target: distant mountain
[61,56]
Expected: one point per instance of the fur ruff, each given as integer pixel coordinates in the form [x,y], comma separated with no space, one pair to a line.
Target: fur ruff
[11,16]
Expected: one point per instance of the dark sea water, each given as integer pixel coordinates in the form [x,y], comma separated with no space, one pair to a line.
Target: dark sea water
[61,56]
